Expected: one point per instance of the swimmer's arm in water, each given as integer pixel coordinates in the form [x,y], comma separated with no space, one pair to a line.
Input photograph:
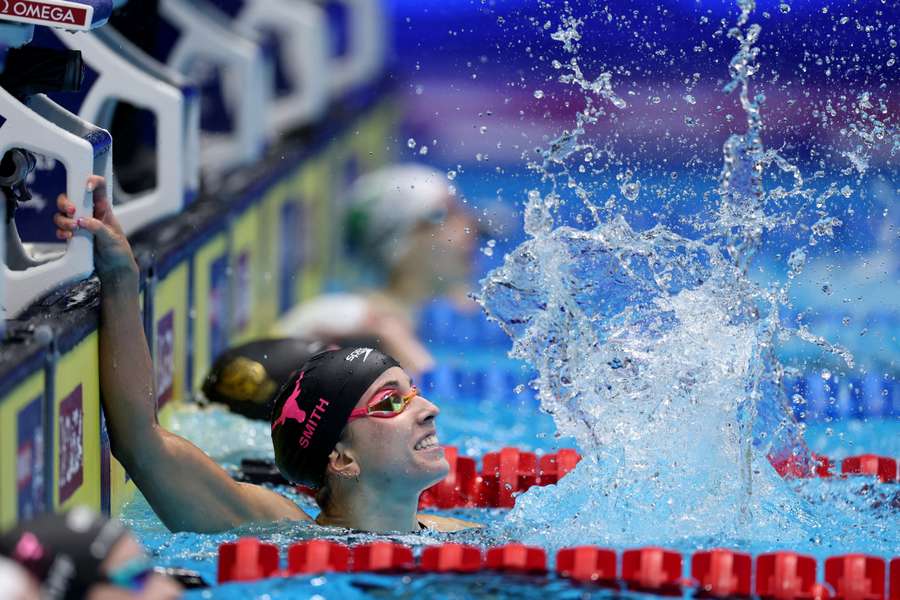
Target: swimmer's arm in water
[186,488]
[446,524]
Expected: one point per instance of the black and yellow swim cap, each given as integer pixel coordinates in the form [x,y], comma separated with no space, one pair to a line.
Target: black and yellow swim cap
[247,377]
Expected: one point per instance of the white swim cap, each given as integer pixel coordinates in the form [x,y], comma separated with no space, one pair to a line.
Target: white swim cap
[384,206]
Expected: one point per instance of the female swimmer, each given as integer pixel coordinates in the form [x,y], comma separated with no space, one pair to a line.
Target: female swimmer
[79,555]
[349,421]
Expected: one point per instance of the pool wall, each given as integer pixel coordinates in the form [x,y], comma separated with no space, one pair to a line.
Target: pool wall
[219,273]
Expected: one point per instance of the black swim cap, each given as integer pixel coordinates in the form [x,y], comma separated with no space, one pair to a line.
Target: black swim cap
[63,552]
[246,378]
[313,407]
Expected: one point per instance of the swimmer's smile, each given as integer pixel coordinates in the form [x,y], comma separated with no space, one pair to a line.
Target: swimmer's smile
[428,443]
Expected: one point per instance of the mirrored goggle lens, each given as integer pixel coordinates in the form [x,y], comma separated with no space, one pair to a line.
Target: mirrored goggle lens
[392,403]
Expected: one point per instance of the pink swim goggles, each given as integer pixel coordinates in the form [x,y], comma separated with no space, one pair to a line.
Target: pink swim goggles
[385,404]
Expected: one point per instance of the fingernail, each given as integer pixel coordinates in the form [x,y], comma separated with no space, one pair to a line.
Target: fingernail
[90,186]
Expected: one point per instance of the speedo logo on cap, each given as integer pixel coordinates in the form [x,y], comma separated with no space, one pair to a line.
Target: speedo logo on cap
[364,352]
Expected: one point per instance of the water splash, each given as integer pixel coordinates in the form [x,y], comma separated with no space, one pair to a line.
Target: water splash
[655,351]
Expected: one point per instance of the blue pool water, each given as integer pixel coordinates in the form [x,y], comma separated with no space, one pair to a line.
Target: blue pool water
[658,321]
[511,421]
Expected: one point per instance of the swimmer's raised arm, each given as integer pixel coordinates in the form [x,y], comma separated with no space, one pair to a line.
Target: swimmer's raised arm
[186,488]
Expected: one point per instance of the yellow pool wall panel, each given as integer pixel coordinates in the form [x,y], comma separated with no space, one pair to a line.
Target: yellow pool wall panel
[171,314]
[246,287]
[76,427]
[269,277]
[315,194]
[211,298]
[22,452]
[270,236]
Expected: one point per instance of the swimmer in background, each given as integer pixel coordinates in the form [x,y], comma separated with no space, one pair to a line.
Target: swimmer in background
[16,582]
[410,233]
[79,555]
[349,421]
[246,378]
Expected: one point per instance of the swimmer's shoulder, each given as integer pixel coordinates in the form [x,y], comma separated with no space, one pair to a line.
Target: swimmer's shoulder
[446,524]
[266,504]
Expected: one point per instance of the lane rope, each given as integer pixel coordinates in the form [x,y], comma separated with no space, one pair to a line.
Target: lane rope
[717,573]
[509,472]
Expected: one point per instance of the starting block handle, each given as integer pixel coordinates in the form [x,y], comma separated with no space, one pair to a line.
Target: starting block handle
[364,60]
[44,127]
[247,77]
[302,30]
[125,73]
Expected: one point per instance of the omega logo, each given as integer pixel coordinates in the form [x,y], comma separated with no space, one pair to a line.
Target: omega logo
[43,11]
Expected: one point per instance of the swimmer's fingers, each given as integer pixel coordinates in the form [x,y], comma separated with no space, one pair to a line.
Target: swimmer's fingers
[102,205]
[97,185]
[103,233]
[64,205]
[65,226]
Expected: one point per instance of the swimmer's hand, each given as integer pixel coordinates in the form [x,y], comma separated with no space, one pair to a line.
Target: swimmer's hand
[113,258]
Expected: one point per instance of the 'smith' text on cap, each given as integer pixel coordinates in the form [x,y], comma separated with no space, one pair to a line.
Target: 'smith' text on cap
[310,429]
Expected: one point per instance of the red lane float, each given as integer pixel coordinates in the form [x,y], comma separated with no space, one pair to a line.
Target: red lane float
[517,558]
[856,577]
[451,558]
[794,467]
[507,473]
[504,474]
[653,570]
[718,573]
[871,464]
[247,560]
[318,556]
[460,488]
[588,564]
[381,557]
[785,576]
[895,579]
[553,467]
[882,467]
[824,466]
[722,573]
[510,471]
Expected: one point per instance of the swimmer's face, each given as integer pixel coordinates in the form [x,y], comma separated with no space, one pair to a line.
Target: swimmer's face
[390,451]
[442,252]
[124,552]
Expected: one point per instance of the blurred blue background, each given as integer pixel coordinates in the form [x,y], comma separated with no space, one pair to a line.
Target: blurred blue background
[469,72]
